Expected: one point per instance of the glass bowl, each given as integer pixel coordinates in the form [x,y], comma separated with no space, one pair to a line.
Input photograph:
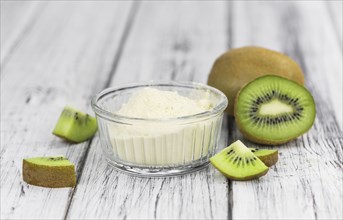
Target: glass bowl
[159,147]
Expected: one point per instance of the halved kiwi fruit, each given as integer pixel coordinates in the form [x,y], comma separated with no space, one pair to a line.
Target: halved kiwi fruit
[268,157]
[274,110]
[53,172]
[239,66]
[237,162]
[75,126]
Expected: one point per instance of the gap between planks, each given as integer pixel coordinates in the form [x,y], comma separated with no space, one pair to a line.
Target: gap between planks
[230,120]
[175,50]
[90,54]
[301,189]
[132,14]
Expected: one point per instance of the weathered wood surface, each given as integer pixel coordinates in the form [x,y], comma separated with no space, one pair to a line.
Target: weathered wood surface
[61,53]
[180,49]
[307,181]
[17,19]
[62,60]
[335,12]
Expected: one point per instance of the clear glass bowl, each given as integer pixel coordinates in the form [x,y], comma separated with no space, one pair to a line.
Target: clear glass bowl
[159,147]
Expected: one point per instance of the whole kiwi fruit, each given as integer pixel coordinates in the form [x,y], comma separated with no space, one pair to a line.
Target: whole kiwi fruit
[240,66]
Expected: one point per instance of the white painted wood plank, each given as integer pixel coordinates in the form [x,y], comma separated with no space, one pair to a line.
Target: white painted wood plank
[64,59]
[17,19]
[307,181]
[322,55]
[336,14]
[169,40]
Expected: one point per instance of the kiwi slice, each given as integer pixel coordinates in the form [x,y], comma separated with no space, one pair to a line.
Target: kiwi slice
[75,126]
[53,172]
[237,162]
[239,66]
[268,157]
[274,110]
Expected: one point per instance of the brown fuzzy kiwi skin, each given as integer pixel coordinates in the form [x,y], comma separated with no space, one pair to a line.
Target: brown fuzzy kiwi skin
[257,139]
[239,66]
[270,160]
[36,175]
[245,178]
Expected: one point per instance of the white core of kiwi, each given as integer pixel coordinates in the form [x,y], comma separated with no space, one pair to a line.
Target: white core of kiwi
[275,107]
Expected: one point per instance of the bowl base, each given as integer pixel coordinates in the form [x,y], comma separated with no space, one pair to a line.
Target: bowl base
[157,172]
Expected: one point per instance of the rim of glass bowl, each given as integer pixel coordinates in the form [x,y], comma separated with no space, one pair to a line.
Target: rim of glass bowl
[219,108]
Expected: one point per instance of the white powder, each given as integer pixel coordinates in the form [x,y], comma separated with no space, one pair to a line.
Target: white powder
[155,103]
[164,143]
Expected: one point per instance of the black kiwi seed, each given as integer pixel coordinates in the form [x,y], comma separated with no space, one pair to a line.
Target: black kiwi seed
[300,108]
[56,158]
[231,151]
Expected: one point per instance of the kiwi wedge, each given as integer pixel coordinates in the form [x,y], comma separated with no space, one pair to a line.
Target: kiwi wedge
[268,157]
[52,172]
[75,126]
[274,110]
[237,162]
[239,66]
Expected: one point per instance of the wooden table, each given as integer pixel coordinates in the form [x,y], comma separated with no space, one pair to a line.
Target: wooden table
[57,53]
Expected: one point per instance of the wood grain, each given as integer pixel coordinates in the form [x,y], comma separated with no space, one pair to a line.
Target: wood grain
[17,20]
[57,53]
[58,62]
[307,181]
[335,10]
[161,46]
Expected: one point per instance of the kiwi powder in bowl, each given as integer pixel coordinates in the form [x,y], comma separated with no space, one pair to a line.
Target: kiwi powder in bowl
[159,128]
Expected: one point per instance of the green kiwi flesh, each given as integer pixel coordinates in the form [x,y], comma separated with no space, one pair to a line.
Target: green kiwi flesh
[268,157]
[75,126]
[239,66]
[52,172]
[274,110]
[237,162]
